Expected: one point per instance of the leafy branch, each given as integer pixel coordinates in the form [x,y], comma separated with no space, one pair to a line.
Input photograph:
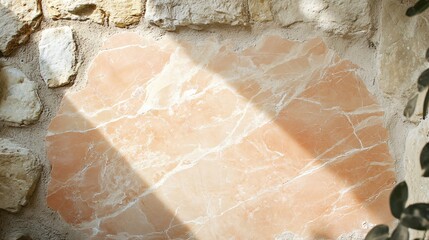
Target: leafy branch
[414,216]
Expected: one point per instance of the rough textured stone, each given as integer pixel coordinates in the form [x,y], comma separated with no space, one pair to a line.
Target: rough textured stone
[260,10]
[19,173]
[18,19]
[19,103]
[57,56]
[169,14]
[121,13]
[418,186]
[24,237]
[403,44]
[344,17]
[124,12]
[416,115]
[19,236]
[416,139]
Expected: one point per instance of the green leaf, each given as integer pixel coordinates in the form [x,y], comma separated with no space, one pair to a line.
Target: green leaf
[419,7]
[424,160]
[416,216]
[423,80]
[425,105]
[427,55]
[379,232]
[411,106]
[398,199]
[400,233]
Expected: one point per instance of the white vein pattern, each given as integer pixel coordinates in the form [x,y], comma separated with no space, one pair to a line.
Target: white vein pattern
[178,140]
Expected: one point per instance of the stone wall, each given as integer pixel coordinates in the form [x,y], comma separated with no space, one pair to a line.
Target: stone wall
[50,48]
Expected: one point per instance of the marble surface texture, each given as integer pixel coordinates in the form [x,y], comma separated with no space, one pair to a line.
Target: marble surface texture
[174,139]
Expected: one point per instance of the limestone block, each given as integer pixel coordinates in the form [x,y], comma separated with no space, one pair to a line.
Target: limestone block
[342,17]
[18,19]
[121,13]
[418,186]
[260,10]
[19,103]
[74,10]
[417,101]
[57,56]
[169,14]
[402,48]
[19,173]
[124,12]
[19,236]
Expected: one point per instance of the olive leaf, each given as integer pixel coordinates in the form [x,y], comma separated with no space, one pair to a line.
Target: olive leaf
[424,160]
[425,105]
[419,7]
[416,216]
[398,198]
[400,233]
[427,55]
[379,232]
[411,106]
[423,80]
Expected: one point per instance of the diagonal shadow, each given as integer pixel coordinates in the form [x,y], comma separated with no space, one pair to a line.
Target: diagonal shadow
[194,143]
[327,114]
[97,189]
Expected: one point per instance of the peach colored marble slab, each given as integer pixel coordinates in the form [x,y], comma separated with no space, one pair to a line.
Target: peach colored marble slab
[203,140]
